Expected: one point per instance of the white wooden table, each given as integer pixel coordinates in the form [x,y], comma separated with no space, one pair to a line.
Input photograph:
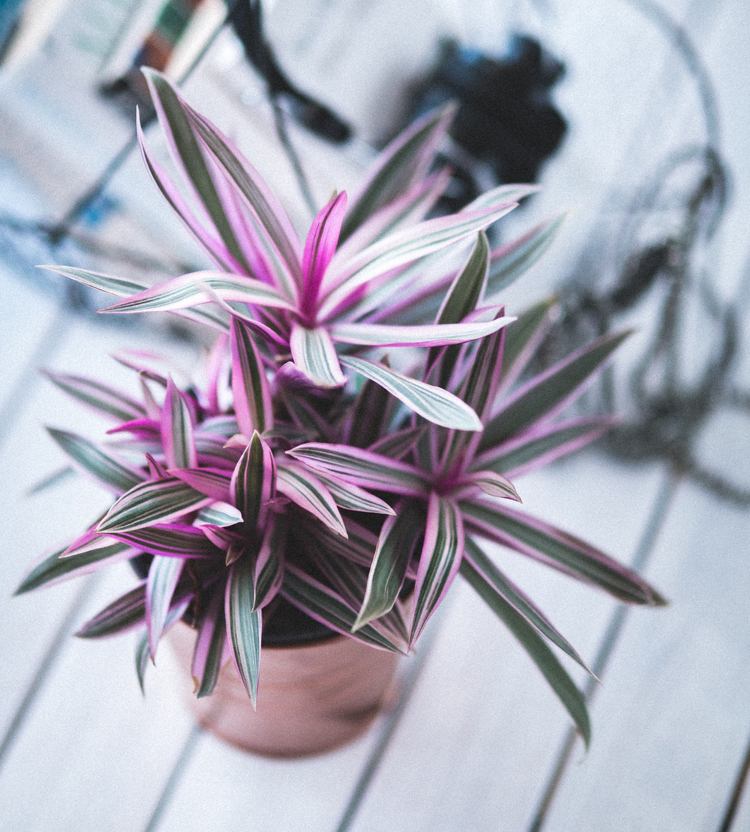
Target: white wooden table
[477,742]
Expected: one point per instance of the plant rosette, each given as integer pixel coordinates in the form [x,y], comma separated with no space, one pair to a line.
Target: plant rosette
[302,511]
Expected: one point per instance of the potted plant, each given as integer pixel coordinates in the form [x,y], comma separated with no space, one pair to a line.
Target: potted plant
[298,515]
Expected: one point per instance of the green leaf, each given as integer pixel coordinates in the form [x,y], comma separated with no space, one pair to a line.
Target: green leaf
[56,568]
[432,403]
[252,397]
[404,161]
[244,624]
[163,575]
[439,560]
[550,391]
[523,605]
[186,146]
[462,299]
[537,649]
[98,395]
[209,647]
[254,481]
[120,287]
[305,490]
[324,605]
[510,261]
[544,542]
[523,339]
[152,502]
[93,460]
[315,356]
[177,430]
[397,541]
[125,612]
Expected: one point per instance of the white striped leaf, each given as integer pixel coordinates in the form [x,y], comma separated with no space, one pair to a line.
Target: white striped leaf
[520,602]
[197,288]
[126,612]
[163,576]
[170,540]
[58,567]
[532,449]
[429,335]
[349,579]
[404,162]
[328,607]
[270,213]
[535,646]
[462,299]
[363,468]
[509,262]
[351,497]
[93,460]
[209,647]
[121,287]
[432,403]
[396,543]
[403,247]
[494,484]
[243,623]
[142,656]
[152,502]
[177,430]
[554,547]
[98,395]
[315,356]
[546,394]
[218,514]
[305,490]
[254,481]
[252,397]
[442,550]
[187,153]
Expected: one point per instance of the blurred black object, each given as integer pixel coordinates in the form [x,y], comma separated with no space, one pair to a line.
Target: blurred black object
[246,18]
[506,120]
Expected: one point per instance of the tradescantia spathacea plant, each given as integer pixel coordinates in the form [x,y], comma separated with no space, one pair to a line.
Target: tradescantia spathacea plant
[305,470]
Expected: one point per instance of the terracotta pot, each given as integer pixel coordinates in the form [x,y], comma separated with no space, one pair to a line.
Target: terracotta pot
[311,698]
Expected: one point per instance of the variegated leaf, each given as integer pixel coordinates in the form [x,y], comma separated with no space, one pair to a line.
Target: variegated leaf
[546,394]
[305,490]
[163,576]
[149,503]
[254,481]
[439,561]
[362,468]
[93,460]
[57,567]
[328,607]
[177,430]
[536,647]
[432,403]
[99,396]
[396,543]
[315,356]
[252,397]
[554,547]
[244,623]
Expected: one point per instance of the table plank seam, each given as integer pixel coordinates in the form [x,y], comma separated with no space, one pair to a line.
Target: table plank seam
[736,793]
[644,550]
[26,384]
[390,725]
[45,668]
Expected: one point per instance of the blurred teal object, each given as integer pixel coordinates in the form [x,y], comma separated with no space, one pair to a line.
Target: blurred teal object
[9,14]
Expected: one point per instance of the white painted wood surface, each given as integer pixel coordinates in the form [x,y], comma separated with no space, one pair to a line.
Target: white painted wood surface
[479,734]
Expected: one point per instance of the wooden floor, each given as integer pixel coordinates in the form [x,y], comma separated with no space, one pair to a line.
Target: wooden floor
[476,742]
